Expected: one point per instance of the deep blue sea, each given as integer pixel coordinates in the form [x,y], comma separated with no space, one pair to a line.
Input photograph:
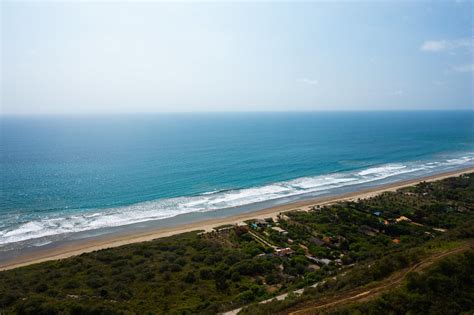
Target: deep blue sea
[65,174]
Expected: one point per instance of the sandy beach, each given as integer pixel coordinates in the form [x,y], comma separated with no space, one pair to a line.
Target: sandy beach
[92,244]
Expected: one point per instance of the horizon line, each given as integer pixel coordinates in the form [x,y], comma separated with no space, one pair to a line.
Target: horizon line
[237,112]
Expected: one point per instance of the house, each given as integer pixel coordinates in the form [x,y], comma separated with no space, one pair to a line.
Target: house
[325,261]
[283,251]
[377,213]
[261,222]
[319,261]
[258,223]
[402,218]
[224,228]
[280,230]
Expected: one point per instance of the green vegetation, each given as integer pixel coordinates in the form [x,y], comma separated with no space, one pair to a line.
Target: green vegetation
[236,266]
[446,288]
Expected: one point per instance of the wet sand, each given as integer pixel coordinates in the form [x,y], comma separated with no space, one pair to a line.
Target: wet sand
[93,244]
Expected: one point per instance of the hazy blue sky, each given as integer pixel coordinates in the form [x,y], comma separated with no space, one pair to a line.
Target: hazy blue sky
[78,57]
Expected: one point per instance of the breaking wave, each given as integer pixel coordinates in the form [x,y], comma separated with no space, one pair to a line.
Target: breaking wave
[210,201]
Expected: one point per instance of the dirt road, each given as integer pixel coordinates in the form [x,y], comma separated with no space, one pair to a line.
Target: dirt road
[367,292]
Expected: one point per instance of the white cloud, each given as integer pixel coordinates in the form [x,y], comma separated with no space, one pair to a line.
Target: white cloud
[432,45]
[447,45]
[398,92]
[309,81]
[464,68]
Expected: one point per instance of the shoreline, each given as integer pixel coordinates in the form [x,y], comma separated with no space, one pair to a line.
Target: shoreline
[90,245]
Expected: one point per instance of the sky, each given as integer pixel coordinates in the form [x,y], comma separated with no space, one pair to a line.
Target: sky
[68,57]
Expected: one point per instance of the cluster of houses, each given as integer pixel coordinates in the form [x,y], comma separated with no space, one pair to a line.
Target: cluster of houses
[335,242]
[400,219]
[267,225]
[329,250]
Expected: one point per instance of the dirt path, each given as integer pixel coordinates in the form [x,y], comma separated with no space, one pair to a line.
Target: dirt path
[280,297]
[261,240]
[365,293]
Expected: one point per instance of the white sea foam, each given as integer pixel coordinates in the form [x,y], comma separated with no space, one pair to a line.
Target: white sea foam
[166,208]
[387,169]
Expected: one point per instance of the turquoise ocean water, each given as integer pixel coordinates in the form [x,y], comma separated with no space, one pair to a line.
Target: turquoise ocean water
[61,175]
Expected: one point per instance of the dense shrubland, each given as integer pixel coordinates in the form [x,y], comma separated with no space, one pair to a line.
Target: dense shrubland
[446,288]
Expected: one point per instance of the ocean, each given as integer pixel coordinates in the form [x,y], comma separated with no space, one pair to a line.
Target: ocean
[62,175]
